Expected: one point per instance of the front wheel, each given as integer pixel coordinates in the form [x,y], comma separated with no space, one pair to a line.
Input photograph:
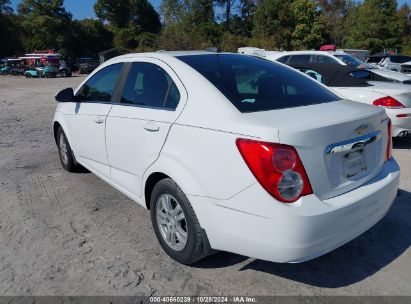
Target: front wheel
[66,154]
[176,225]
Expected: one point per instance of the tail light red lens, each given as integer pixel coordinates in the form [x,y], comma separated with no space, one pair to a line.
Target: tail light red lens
[388,102]
[389,141]
[277,168]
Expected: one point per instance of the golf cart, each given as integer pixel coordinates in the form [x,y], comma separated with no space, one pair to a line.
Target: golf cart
[41,71]
[12,66]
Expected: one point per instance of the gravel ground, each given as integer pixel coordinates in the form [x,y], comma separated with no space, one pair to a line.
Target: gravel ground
[72,234]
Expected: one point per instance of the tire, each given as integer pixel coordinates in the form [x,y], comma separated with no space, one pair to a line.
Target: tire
[196,245]
[64,73]
[66,154]
[27,75]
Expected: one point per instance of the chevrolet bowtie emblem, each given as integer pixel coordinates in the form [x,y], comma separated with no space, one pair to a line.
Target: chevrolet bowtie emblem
[361,129]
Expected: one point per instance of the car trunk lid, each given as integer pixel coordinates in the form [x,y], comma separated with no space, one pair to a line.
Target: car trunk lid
[342,144]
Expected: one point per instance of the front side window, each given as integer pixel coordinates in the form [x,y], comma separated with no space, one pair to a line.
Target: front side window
[148,85]
[374,59]
[100,87]
[299,59]
[349,60]
[254,84]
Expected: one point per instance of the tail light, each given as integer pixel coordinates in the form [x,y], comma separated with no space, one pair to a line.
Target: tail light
[389,141]
[277,168]
[388,102]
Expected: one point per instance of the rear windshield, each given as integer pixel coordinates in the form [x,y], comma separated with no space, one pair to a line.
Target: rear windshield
[254,84]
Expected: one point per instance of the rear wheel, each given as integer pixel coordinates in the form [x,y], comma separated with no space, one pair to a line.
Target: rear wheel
[66,154]
[64,73]
[176,225]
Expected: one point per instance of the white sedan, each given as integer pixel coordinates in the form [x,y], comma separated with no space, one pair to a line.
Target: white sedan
[231,152]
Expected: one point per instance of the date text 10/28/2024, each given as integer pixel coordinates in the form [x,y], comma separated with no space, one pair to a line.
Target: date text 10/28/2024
[203,299]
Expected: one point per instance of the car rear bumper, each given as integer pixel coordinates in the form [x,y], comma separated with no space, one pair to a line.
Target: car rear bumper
[400,124]
[252,223]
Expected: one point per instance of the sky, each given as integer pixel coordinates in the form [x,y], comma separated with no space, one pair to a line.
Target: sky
[84,8]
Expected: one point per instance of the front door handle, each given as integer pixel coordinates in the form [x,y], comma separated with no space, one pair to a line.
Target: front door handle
[98,120]
[151,127]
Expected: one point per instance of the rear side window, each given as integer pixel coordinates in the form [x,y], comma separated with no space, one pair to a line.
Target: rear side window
[324,59]
[100,87]
[298,59]
[148,85]
[254,84]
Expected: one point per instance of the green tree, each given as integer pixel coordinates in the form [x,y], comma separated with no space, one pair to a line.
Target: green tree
[45,23]
[243,22]
[137,14]
[116,12]
[94,36]
[227,5]
[335,12]
[10,40]
[5,7]
[273,24]
[404,17]
[310,28]
[173,11]
[374,25]
[128,19]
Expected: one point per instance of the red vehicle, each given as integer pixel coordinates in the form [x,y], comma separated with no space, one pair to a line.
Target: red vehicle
[328,48]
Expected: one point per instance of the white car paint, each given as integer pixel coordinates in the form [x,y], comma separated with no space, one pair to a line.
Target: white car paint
[195,146]
[393,75]
[381,89]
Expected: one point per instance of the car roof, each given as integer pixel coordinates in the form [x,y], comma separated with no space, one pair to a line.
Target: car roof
[160,54]
[311,52]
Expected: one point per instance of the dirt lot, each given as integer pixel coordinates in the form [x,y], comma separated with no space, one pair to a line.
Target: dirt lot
[72,234]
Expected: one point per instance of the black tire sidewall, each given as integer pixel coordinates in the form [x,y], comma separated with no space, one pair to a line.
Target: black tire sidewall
[70,166]
[168,186]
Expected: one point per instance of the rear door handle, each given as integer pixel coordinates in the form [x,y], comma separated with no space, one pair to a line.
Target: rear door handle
[98,120]
[151,127]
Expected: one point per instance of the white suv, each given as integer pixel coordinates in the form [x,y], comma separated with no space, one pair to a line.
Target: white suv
[231,152]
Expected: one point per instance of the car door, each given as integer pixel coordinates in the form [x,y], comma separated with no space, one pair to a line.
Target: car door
[139,121]
[87,119]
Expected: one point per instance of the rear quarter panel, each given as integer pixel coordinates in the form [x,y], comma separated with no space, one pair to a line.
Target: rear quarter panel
[203,162]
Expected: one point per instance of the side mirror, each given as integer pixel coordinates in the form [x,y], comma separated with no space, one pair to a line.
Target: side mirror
[65,95]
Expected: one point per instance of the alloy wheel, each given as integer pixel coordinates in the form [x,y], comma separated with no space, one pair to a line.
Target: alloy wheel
[171,222]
